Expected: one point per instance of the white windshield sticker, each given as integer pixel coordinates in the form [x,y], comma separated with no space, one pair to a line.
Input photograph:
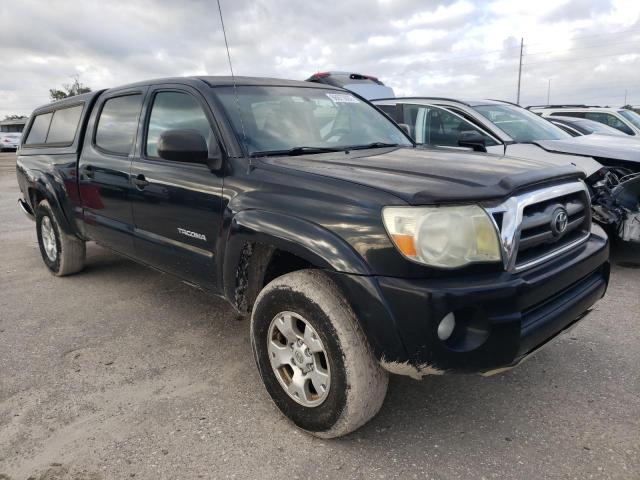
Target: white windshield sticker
[342,98]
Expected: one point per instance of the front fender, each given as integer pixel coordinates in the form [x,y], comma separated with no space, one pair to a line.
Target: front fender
[324,250]
[309,241]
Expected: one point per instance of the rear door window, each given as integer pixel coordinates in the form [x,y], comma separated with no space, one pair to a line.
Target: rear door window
[118,124]
[64,125]
[39,129]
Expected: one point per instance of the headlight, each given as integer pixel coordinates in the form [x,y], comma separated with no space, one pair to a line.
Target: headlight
[445,237]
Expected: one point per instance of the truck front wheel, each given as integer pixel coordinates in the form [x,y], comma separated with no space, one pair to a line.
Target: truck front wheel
[313,357]
[63,254]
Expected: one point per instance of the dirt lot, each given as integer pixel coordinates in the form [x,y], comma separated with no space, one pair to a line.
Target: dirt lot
[122,372]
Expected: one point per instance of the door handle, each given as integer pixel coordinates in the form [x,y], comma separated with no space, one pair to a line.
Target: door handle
[88,171]
[140,182]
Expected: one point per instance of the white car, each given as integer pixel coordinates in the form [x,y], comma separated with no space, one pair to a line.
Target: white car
[9,141]
[626,121]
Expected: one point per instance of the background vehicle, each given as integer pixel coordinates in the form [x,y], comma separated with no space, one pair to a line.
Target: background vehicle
[364,85]
[10,133]
[506,129]
[9,141]
[576,127]
[627,121]
[355,253]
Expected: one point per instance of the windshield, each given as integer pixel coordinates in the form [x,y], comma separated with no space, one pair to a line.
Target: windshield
[632,116]
[281,119]
[597,127]
[520,124]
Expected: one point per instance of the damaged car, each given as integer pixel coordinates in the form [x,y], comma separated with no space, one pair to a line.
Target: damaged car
[611,164]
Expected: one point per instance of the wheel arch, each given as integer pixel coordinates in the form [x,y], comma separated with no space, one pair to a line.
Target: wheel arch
[41,188]
[263,245]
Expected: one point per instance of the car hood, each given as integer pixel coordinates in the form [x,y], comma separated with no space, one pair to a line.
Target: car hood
[429,175]
[597,146]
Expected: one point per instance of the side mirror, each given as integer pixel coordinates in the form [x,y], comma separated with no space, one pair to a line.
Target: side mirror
[472,139]
[183,146]
[405,128]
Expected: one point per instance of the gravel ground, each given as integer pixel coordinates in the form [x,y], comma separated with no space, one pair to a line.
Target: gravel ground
[122,372]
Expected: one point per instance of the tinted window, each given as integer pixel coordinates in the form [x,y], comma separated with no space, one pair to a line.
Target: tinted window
[390,110]
[589,126]
[436,126]
[38,132]
[175,111]
[520,124]
[609,119]
[118,123]
[11,128]
[632,116]
[64,125]
[272,119]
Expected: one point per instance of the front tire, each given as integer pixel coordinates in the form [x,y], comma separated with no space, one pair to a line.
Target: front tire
[314,359]
[63,254]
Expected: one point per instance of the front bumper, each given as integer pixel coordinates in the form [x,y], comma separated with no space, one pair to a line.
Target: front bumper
[500,317]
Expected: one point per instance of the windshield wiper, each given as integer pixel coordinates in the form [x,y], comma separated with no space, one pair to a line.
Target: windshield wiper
[373,145]
[295,151]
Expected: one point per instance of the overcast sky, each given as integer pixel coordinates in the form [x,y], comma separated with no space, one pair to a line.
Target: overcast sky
[590,49]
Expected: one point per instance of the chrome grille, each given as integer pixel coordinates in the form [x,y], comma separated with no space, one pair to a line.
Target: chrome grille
[537,237]
[526,224]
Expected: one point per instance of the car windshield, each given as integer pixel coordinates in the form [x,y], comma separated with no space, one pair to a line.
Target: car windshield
[597,127]
[632,116]
[295,120]
[520,124]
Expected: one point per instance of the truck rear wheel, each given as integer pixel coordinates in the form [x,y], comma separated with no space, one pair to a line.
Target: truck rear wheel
[314,359]
[63,254]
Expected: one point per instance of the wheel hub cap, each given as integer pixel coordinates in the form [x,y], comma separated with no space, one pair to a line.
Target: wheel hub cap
[49,239]
[298,359]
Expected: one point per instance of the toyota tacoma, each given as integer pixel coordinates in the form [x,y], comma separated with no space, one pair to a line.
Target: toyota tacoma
[353,252]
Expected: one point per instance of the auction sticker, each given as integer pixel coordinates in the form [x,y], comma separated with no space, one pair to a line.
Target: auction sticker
[342,98]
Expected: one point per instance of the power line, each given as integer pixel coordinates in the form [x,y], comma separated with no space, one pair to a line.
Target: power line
[449,60]
[619,54]
[582,48]
[580,37]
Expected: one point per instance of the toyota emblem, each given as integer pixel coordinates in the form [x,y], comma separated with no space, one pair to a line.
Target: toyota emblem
[559,221]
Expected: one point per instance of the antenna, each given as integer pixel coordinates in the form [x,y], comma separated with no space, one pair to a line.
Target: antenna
[233,79]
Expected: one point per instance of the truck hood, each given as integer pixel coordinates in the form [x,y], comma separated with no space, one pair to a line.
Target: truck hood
[601,147]
[429,175]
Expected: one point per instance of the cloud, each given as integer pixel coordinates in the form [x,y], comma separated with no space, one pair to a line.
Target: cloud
[589,48]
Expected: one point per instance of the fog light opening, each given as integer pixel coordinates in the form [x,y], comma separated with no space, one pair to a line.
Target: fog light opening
[446,326]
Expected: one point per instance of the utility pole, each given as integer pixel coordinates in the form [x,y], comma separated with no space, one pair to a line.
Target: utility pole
[520,70]
[548,91]
[625,96]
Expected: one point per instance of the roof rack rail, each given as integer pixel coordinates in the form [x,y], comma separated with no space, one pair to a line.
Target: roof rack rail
[575,105]
[503,101]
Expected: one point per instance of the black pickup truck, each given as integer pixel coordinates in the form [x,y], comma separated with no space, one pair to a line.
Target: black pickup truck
[354,252]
